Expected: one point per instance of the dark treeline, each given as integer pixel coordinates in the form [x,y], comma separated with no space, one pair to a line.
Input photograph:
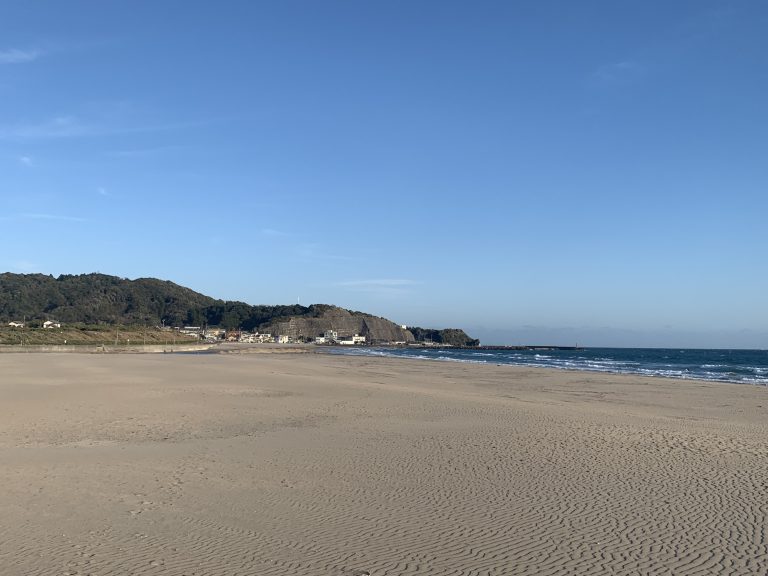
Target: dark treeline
[102,299]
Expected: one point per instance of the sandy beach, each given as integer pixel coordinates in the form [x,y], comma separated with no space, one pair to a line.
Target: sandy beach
[312,464]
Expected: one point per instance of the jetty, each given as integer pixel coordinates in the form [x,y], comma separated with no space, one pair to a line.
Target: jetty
[541,347]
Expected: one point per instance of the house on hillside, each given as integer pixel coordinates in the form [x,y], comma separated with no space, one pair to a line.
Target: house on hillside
[51,324]
[16,324]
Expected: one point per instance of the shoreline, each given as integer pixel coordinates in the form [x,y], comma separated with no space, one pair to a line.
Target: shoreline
[228,348]
[677,372]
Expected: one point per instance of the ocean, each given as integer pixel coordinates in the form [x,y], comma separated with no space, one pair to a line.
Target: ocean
[737,366]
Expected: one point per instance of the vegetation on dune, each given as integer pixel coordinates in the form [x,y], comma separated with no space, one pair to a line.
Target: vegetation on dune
[92,335]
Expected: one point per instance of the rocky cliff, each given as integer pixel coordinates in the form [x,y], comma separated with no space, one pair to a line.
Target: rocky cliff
[344,322]
[447,337]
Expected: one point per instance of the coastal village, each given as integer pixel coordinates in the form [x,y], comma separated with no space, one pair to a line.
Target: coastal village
[214,335]
[331,337]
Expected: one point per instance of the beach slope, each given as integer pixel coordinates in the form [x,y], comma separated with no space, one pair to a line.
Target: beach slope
[312,464]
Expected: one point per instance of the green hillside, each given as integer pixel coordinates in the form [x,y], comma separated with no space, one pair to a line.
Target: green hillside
[101,299]
[86,300]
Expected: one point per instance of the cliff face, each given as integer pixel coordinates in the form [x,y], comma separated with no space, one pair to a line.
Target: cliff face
[344,322]
[448,337]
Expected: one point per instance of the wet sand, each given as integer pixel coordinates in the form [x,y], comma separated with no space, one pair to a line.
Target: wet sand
[310,464]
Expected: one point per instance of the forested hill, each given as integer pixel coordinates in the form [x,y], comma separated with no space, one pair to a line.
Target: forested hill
[103,299]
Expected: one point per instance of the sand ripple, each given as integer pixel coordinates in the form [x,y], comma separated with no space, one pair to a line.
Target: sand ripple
[347,467]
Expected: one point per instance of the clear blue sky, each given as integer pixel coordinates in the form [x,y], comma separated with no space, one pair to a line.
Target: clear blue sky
[569,171]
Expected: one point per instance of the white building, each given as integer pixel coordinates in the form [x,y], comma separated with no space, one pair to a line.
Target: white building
[51,324]
[16,324]
[331,335]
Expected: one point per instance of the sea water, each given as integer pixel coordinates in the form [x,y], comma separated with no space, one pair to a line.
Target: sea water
[738,366]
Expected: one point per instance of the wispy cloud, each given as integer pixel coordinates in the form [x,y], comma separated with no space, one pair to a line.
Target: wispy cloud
[71,126]
[272,233]
[378,283]
[624,72]
[51,217]
[143,152]
[23,266]
[310,251]
[380,286]
[58,127]
[101,191]
[26,161]
[18,56]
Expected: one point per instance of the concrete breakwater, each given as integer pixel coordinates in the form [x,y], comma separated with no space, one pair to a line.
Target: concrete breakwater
[542,347]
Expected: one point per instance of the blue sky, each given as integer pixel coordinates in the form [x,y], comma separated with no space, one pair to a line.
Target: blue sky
[568,171]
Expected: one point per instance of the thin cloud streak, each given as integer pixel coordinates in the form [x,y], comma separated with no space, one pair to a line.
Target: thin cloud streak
[18,56]
[143,152]
[272,233]
[58,127]
[316,252]
[62,127]
[378,283]
[380,287]
[22,266]
[622,72]
[51,217]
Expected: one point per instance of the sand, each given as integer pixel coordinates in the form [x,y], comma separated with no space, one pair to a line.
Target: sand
[308,464]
